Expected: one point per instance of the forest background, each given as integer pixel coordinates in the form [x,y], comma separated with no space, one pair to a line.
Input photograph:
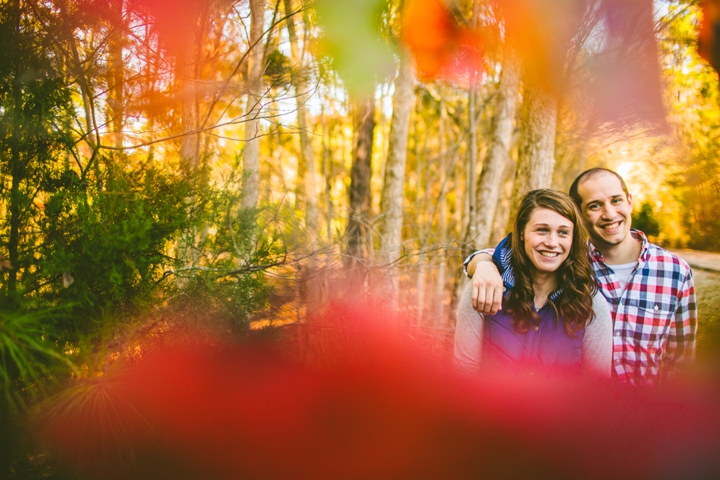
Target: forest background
[237,164]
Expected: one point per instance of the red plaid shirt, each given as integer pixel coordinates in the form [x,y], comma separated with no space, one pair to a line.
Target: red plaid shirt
[655,316]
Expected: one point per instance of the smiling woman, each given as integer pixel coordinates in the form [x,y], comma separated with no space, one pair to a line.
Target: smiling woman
[548,240]
[552,315]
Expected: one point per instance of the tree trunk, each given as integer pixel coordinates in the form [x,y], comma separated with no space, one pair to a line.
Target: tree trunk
[115,74]
[423,193]
[327,172]
[391,201]
[18,175]
[358,228]
[536,149]
[14,238]
[498,155]
[187,62]
[313,287]
[470,198]
[302,95]
[502,210]
[471,231]
[251,152]
[442,219]
[190,143]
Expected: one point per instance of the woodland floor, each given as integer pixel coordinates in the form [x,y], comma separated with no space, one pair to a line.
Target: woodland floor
[707,284]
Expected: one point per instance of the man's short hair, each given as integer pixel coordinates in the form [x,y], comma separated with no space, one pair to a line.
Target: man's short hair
[587,175]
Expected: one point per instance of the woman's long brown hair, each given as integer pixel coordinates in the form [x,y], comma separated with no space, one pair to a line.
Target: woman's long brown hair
[575,276]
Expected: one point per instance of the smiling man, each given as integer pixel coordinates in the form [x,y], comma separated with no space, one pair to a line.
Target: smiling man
[650,291]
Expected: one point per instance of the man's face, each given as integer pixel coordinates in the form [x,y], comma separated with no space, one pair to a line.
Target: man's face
[606,210]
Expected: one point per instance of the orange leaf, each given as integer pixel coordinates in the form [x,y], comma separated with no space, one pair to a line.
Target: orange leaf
[540,31]
[440,45]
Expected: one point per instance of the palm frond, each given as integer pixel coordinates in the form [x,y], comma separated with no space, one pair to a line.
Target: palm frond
[29,356]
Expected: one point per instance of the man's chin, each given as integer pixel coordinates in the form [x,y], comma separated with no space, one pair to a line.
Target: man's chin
[606,241]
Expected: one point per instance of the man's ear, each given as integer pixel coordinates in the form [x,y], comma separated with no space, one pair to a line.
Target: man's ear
[630,201]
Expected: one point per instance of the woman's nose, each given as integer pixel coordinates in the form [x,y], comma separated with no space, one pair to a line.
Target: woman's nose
[552,239]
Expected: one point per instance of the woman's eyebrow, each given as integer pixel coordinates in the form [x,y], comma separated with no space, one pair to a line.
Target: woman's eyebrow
[549,225]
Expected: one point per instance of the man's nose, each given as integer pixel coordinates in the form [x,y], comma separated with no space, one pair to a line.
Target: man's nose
[608,212]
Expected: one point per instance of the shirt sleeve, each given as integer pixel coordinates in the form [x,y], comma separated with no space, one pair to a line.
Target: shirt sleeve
[683,330]
[597,346]
[489,251]
[468,334]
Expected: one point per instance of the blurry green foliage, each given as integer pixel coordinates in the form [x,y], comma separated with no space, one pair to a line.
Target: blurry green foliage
[353,39]
[278,71]
[645,220]
[110,239]
[225,284]
[696,117]
[93,244]
[35,113]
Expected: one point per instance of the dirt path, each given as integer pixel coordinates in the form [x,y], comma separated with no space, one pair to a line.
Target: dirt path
[706,271]
[700,260]
[707,285]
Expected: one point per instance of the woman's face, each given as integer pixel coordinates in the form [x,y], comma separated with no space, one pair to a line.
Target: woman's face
[548,238]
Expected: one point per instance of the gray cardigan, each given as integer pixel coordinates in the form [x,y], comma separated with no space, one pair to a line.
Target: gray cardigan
[597,346]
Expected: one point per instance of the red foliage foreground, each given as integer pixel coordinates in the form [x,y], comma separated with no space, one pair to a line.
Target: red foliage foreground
[380,409]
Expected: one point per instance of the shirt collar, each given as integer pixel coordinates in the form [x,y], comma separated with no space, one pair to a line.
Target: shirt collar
[637,235]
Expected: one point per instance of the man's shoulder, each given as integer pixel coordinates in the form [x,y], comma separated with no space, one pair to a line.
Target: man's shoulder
[667,259]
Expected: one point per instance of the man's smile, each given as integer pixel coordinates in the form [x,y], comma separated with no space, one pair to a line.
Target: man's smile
[611,226]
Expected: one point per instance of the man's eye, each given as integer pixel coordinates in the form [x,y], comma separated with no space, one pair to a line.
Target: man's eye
[594,206]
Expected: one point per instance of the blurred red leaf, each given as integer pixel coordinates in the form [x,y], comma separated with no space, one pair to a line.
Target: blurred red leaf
[440,45]
[177,21]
